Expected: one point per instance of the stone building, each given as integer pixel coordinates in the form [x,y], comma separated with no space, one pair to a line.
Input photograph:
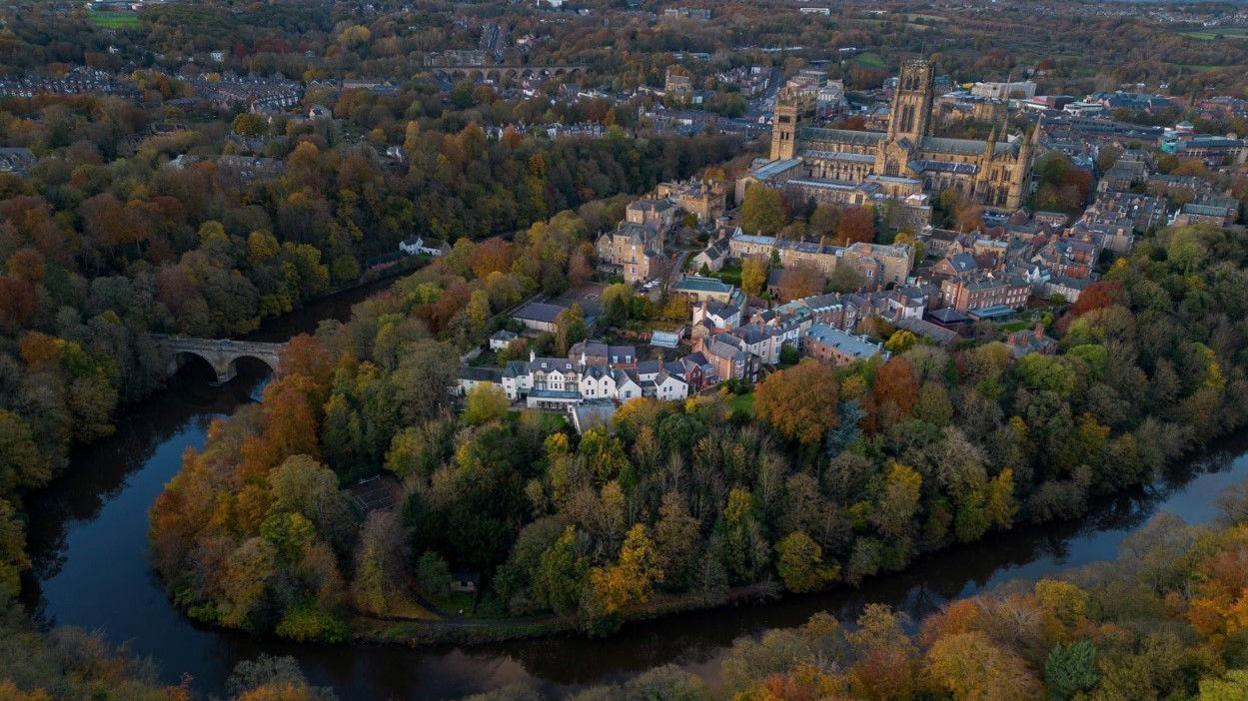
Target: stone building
[903,160]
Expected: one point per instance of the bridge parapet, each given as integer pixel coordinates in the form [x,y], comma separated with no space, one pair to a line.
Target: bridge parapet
[220,353]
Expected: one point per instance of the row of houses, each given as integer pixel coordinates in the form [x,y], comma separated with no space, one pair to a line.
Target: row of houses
[878,264]
[592,372]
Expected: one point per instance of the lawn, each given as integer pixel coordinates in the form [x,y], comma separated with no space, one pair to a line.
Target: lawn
[870,60]
[115,20]
[730,274]
[1211,34]
[743,403]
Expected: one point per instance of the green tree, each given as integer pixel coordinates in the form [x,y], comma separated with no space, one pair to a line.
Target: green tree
[754,274]
[762,211]
[560,575]
[433,575]
[485,403]
[1071,669]
[800,563]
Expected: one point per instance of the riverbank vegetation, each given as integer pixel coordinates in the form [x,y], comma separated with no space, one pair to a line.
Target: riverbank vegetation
[97,254]
[847,472]
[1165,620]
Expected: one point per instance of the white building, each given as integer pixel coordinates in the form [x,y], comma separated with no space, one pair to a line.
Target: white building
[552,383]
[417,246]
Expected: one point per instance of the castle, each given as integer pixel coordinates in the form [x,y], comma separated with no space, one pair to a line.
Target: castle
[845,167]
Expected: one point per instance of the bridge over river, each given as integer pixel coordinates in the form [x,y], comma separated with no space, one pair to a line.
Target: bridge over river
[497,72]
[220,353]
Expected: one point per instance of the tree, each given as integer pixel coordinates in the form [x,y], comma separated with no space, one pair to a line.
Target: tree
[560,575]
[973,668]
[801,563]
[631,580]
[896,385]
[1071,669]
[754,274]
[21,463]
[898,502]
[478,311]
[676,539]
[800,402]
[856,224]
[485,403]
[433,575]
[1233,687]
[380,564]
[569,329]
[901,341]
[762,210]
[13,560]
[302,485]
[823,221]
[802,280]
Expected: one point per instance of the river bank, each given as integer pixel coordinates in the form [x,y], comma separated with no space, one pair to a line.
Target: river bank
[88,537]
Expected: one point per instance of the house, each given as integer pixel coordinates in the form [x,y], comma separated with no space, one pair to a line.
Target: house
[717,315]
[418,246]
[829,344]
[599,353]
[713,257]
[699,373]
[470,377]
[729,359]
[502,338]
[16,160]
[634,250]
[705,200]
[1030,341]
[708,289]
[563,384]
[980,290]
[465,582]
[937,334]
[1193,213]
[627,386]
[539,316]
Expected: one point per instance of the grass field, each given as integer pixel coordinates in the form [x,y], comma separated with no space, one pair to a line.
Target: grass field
[115,20]
[870,60]
[1211,34]
[1199,68]
[743,403]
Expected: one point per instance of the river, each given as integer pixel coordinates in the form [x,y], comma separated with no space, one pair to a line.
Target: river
[88,540]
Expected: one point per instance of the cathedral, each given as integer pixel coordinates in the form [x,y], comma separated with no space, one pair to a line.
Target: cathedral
[840,166]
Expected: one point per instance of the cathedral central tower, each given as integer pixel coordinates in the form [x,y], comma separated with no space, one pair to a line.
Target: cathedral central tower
[912,102]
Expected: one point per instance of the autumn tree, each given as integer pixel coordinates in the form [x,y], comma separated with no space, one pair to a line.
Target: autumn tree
[856,224]
[800,402]
[754,274]
[485,402]
[762,211]
[800,564]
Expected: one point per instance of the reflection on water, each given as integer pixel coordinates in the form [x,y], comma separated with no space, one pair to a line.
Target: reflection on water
[88,536]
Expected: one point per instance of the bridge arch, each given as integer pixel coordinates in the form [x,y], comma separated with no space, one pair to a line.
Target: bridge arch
[221,355]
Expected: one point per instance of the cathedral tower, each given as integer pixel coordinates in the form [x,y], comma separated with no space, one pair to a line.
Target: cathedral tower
[784,131]
[912,101]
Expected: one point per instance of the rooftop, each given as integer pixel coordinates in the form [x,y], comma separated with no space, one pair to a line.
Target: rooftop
[856,346]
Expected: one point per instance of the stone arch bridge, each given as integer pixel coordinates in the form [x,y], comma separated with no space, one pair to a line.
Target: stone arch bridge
[220,353]
[498,72]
